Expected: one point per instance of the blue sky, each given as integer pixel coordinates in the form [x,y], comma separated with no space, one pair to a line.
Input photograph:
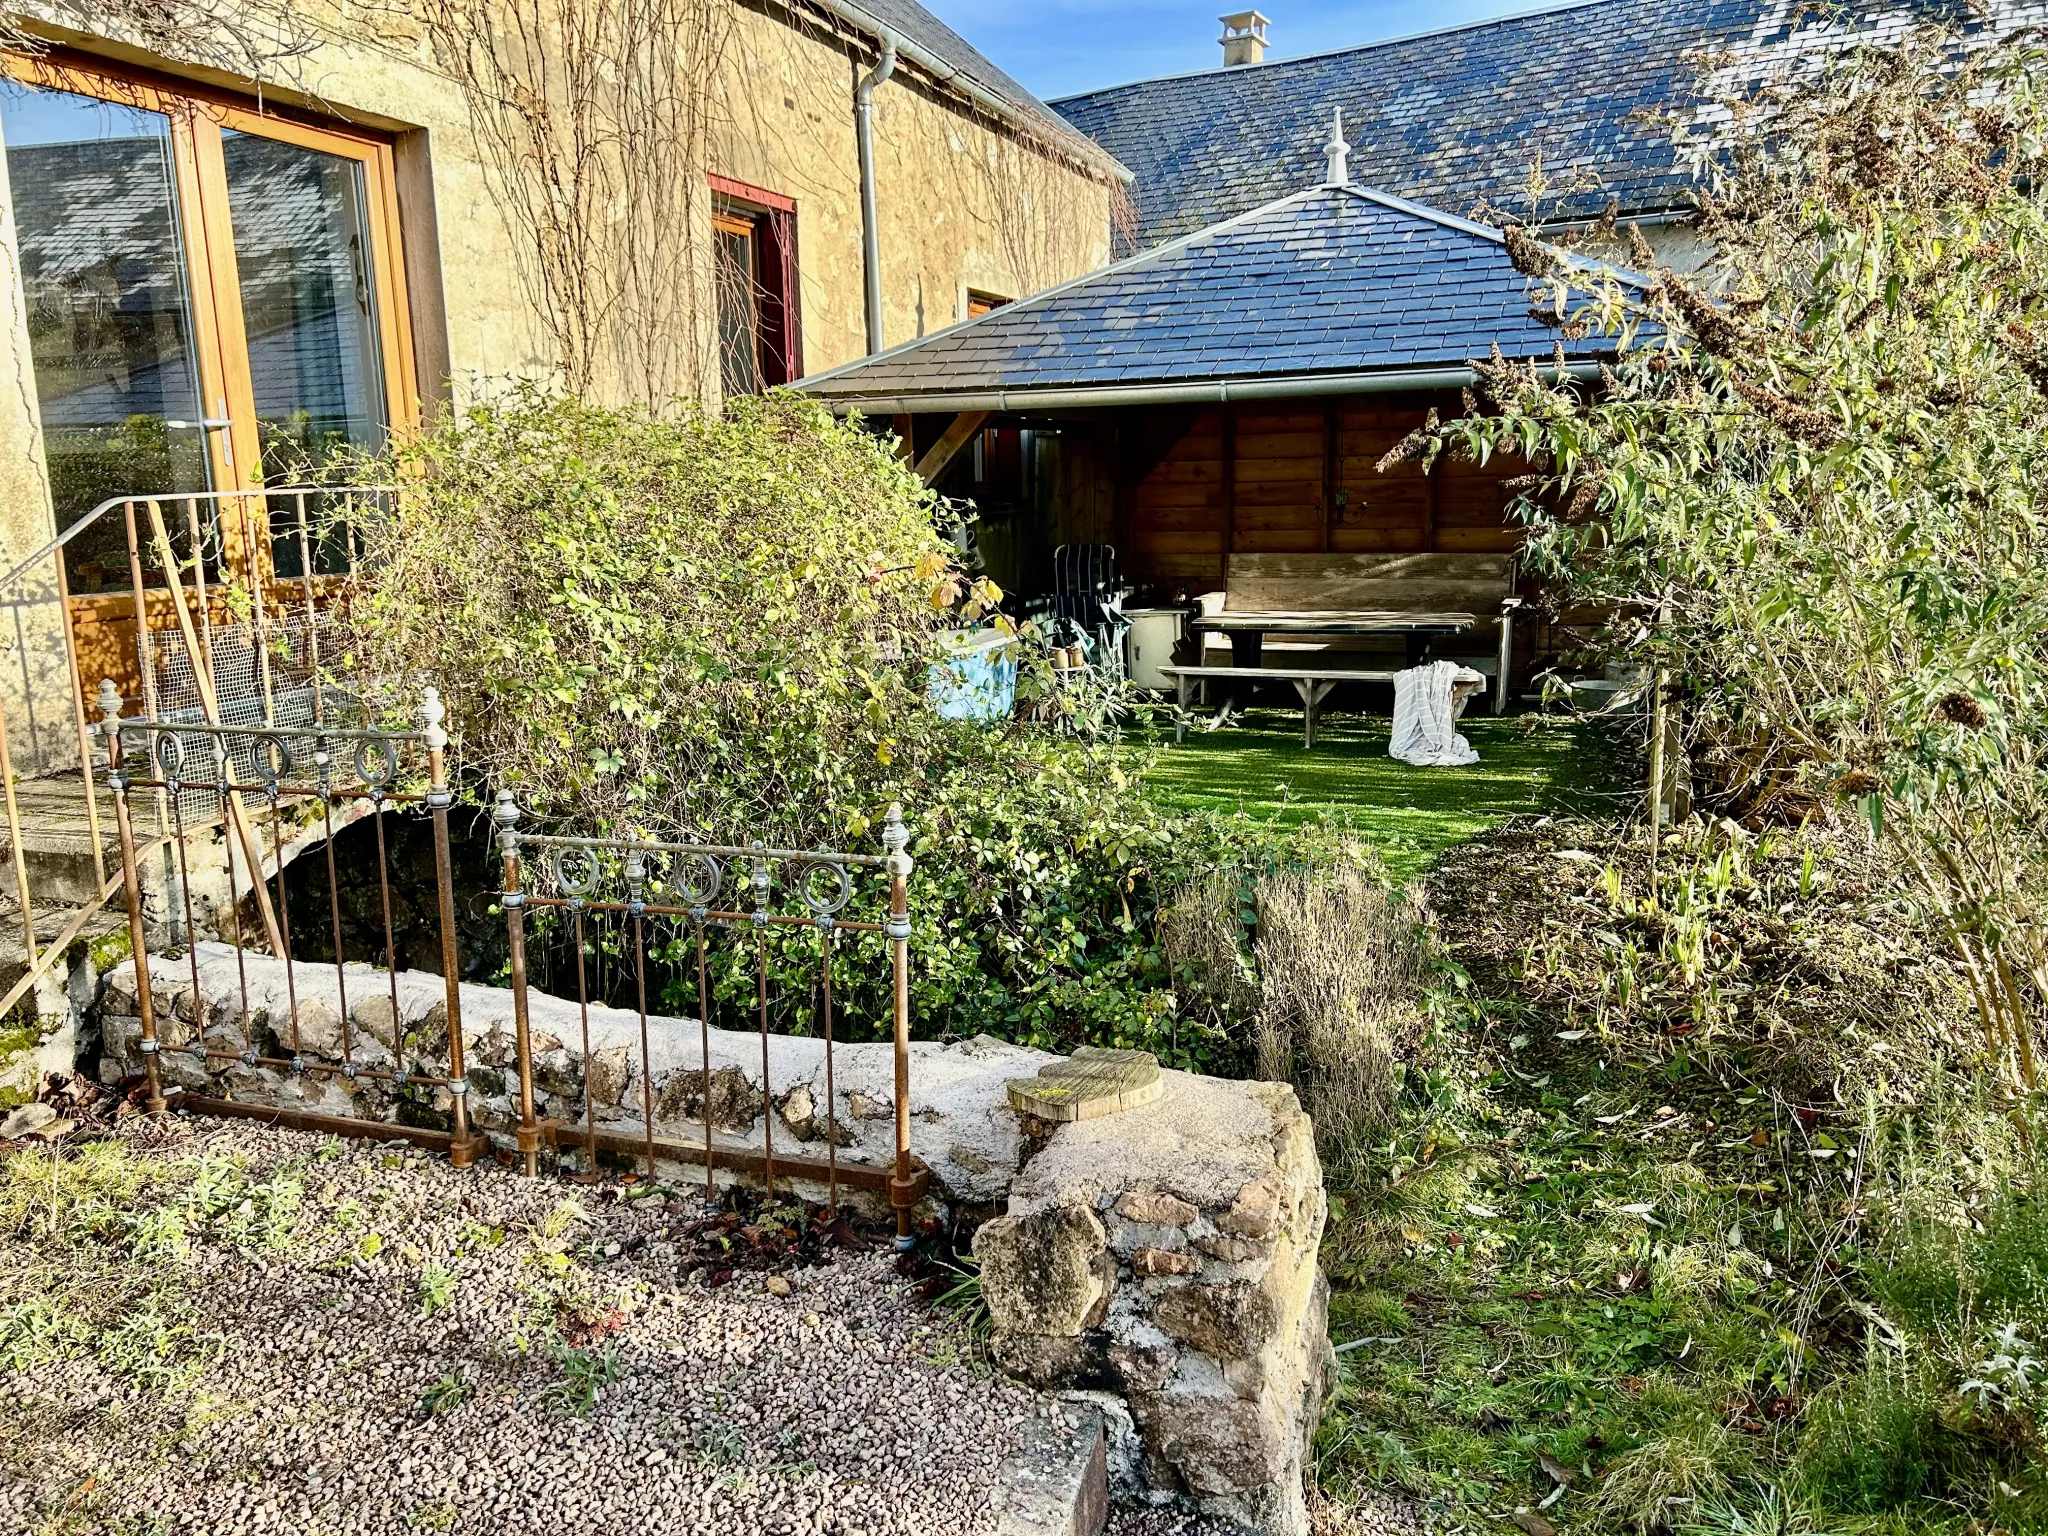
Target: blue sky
[1058,47]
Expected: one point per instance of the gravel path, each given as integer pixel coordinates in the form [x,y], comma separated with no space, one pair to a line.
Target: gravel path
[566,1376]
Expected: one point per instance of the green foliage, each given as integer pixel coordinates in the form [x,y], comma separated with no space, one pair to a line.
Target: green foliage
[114,1240]
[1813,483]
[721,627]
[584,1374]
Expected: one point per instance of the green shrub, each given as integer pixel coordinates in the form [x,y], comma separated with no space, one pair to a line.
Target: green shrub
[719,627]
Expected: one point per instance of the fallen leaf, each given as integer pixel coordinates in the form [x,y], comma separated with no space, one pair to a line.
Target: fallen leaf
[1556,1470]
[1533,1523]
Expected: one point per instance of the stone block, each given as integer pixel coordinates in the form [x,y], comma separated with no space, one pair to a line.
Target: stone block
[1218,1346]
[1160,1261]
[1154,1208]
[1043,1273]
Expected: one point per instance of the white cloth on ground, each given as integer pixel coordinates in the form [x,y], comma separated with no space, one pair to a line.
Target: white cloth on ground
[1426,706]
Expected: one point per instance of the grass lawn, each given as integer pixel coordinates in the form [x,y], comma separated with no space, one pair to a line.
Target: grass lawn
[1527,763]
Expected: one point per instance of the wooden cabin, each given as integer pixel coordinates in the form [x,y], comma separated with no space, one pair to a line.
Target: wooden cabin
[1231,392]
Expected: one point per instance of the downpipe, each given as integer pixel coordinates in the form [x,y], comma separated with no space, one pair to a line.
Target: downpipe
[864,138]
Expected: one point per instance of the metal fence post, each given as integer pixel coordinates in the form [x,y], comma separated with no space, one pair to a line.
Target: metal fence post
[902,1189]
[462,1151]
[506,815]
[131,887]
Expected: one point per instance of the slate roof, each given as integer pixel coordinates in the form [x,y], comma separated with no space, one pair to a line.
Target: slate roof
[1327,284]
[1456,118]
[913,23]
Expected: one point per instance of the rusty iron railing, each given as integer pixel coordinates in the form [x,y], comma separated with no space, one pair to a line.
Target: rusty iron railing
[154,591]
[689,906]
[323,766]
[703,894]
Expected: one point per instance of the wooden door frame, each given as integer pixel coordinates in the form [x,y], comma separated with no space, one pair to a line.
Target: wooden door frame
[197,116]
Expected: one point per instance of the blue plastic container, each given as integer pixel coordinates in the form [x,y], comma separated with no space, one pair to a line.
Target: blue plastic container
[977,679]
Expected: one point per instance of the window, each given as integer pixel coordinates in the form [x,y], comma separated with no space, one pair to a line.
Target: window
[979,304]
[212,295]
[754,264]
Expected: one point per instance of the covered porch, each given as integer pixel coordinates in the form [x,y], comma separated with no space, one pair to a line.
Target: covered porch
[1228,413]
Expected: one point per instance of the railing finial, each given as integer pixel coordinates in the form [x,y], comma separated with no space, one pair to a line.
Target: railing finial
[109,701]
[896,838]
[432,713]
[505,813]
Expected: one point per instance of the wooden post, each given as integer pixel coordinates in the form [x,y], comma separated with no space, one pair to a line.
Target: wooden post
[958,434]
[202,676]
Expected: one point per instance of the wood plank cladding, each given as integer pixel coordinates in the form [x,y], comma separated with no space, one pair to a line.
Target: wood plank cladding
[1300,477]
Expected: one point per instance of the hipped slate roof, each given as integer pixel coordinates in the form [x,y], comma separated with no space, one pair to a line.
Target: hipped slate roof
[1334,288]
[1456,118]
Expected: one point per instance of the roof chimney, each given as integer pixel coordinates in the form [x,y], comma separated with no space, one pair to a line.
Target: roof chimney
[1244,38]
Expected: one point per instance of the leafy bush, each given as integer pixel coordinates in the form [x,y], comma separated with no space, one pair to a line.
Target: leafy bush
[720,627]
[1811,485]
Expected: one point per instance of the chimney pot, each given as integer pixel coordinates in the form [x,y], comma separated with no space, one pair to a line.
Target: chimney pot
[1244,38]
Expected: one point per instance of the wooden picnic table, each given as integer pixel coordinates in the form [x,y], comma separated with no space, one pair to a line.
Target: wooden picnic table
[1312,683]
[1248,629]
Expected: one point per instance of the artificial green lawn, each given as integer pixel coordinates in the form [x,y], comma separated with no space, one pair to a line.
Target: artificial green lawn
[1527,763]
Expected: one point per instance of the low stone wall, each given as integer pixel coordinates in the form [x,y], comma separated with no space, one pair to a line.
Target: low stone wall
[1165,1257]
[961,1125]
[1159,1262]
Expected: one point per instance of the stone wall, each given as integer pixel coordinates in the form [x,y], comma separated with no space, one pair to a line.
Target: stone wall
[1165,1257]
[961,1126]
[1159,1262]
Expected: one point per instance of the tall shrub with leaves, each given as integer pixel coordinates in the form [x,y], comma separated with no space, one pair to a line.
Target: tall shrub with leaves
[1815,483]
[719,628]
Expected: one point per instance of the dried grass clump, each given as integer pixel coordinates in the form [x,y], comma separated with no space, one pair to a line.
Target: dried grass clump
[1339,960]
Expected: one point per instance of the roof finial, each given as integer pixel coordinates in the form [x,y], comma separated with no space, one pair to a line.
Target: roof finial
[1337,151]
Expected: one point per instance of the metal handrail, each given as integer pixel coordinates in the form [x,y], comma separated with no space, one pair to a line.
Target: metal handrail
[130,499]
[197,637]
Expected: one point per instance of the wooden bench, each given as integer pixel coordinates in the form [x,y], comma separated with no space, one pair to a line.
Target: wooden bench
[1420,596]
[1312,683]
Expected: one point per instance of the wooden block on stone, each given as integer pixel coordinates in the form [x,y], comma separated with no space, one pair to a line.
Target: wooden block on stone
[1088,1084]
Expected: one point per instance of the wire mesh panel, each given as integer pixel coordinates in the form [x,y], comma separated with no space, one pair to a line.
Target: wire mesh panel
[716,914]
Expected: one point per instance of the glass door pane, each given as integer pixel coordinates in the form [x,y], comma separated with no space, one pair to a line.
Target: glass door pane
[309,314]
[104,273]
[737,259]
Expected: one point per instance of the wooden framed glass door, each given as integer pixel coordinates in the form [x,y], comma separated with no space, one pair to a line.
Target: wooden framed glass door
[215,304]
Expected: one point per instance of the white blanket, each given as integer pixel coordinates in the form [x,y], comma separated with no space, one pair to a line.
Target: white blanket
[1427,702]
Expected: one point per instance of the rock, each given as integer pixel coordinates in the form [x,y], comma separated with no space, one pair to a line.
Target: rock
[799,1111]
[1218,1445]
[1154,1208]
[1158,1261]
[1075,1362]
[1255,1212]
[1043,1273]
[869,1106]
[1222,1375]
[735,1103]
[1143,1368]
[26,1120]
[1233,1250]
[610,1071]
[777,1285]
[319,1029]
[373,1017]
[1232,1321]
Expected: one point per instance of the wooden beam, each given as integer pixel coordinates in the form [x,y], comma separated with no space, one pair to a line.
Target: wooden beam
[947,448]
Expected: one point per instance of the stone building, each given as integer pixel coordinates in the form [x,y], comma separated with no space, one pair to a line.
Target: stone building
[240,235]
